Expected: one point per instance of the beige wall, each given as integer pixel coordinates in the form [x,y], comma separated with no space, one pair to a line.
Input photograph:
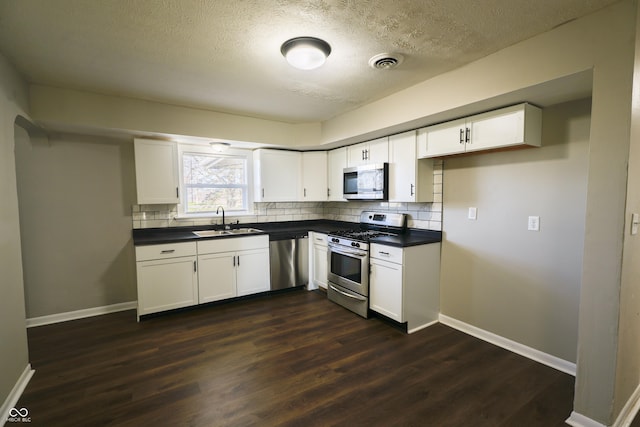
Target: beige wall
[496,275]
[75,195]
[628,362]
[13,336]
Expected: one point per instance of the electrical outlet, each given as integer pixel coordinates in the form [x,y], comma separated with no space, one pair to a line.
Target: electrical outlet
[473,213]
[534,223]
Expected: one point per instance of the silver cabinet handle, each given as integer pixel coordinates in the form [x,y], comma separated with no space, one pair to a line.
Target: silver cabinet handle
[194,267]
[238,260]
[234,260]
[467,137]
[263,192]
[412,189]
[168,251]
[461,136]
[346,294]
[384,253]
[305,192]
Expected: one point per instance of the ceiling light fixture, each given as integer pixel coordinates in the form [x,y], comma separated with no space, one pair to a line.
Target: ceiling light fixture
[219,147]
[305,53]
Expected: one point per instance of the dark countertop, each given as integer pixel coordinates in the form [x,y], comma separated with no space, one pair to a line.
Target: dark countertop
[277,231]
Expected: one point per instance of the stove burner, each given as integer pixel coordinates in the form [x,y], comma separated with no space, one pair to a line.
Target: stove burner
[363,235]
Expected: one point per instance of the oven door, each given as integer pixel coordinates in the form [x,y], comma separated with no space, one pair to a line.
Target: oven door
[349,268]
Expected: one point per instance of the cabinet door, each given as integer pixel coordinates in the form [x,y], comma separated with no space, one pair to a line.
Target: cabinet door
[252,272]
[496,129]
[216,277]
[336,162]
[356,155]
[378,150]
[442,139]
[277,175]
[166,284]
[320,260]
[402,167]
[156,172]
[385,289]
[314,176]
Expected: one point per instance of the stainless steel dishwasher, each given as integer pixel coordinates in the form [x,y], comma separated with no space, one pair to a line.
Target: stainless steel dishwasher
[289,257]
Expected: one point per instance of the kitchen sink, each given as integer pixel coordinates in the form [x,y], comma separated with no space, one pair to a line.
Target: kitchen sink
[217,233]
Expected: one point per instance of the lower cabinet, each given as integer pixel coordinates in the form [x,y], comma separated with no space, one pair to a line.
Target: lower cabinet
[179,275]
[319,260]
[404,283]
[167,277]
[386,289]
[233,267]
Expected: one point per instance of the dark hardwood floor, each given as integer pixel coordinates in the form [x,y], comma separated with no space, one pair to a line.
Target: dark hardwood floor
[289,359]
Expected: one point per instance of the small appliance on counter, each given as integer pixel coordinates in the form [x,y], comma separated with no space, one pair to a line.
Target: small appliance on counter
[348,269]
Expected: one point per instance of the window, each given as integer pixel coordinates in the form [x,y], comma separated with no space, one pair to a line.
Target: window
[210,180]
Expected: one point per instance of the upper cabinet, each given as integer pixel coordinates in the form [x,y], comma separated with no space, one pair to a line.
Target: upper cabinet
[410,179]
[276,175]
[156,171]
[314,176]
[376,151]
[336,162]
[507,127]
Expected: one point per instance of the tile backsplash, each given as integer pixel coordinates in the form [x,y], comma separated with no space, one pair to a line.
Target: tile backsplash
[426,216]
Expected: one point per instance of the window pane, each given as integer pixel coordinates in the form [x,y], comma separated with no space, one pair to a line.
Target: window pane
[211,181]
[204,169]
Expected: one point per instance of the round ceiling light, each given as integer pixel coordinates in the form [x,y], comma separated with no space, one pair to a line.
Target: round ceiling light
[386,61]
[305,53]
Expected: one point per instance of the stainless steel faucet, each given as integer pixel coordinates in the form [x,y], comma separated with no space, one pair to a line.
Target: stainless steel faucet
[217,212]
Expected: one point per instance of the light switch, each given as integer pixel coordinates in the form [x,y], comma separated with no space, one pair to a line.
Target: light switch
[635,222]
[473,213]
[534,223]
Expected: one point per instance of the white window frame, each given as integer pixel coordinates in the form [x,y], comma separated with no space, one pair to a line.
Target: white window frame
[247,155]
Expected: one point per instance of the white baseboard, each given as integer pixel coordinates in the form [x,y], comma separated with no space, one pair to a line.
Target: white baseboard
[80,314]
[421,327]
[579,420]
[630,410]
[16,392]
[521,349]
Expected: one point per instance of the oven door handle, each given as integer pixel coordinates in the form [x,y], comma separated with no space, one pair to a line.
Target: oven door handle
[346,294]
[347,252]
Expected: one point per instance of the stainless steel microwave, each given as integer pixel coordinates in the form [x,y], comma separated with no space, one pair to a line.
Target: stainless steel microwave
[366,182]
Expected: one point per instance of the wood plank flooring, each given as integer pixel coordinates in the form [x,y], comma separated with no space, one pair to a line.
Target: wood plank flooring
[291,359]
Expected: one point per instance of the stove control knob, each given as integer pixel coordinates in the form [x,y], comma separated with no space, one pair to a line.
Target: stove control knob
[335,240]
[357,245]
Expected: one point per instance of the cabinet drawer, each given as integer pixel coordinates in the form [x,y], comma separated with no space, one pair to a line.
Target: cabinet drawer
[232,244]
[167,250]
[319,239]
[387,253]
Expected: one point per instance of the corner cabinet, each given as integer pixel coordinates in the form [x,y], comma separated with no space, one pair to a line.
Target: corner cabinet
[336,162]
[232,267]
[410,179]
[404,283]
[167,277]
[314,176]
[276,175]
[518,125]
[156,165]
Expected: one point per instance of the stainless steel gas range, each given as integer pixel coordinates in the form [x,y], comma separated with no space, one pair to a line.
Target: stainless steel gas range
[348,263]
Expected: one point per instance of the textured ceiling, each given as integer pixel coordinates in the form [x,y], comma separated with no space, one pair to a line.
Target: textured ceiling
[224,55]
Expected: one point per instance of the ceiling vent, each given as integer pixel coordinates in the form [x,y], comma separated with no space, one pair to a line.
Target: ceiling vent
[385,61]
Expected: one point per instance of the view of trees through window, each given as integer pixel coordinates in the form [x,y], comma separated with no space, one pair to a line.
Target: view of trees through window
[211,181]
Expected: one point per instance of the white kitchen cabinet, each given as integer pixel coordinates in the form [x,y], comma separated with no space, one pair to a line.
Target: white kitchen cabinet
[336,162]
[410,179]
[233,267]
[156,171]
[518,125]
[404,283]
[314,176]
[276,175]
[386,290]
[318,259]
[166,276]
[370,152]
